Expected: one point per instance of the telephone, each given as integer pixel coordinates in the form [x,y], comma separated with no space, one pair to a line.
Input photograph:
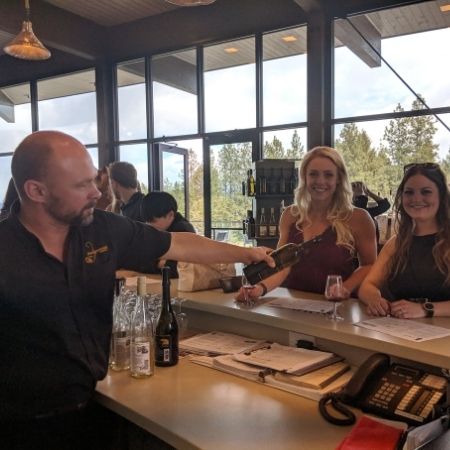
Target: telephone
[393,391]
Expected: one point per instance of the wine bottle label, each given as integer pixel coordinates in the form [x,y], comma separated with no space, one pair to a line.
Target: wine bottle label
[164,348]
[140,358]
[262,230]
[272,230]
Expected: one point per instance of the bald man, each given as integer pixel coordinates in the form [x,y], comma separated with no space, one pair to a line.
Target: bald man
[57,271]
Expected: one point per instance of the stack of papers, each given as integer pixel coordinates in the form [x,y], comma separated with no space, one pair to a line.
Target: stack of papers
[218,343]
[291,360]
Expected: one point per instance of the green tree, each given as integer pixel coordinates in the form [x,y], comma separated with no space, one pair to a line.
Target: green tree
[274,149]
[297,149]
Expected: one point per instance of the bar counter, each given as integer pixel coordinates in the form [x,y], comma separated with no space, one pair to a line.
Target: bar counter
[194,407]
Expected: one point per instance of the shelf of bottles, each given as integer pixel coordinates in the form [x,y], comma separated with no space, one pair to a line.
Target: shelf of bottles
[271,184]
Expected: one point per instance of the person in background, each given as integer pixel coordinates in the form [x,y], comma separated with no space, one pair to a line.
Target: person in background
[56,317]
[361,195]
[323,207]
[104,186]
[125,187]
[160,209]
[10,197]
[411,277]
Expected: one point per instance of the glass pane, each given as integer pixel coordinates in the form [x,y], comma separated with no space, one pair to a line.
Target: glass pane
[15,116]
[229,165]
[174,179]
[230,92]
[285,144]
[132,100]
[175,93]
[5,175]
[284,76]
[412,42]
[136,154]
[68,104]
[376,151]
[93,151]
[195,184]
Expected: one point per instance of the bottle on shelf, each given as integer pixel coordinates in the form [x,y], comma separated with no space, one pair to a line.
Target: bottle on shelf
[262,225]
[273,224]
[251,226]
[142,347]
[244,187]
[166,335]
[262,183]
[251,184]
[285,256]
[272,182]
[120,333]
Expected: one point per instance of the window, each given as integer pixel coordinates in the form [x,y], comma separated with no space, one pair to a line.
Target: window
[412,40]
[230,89]
[280,144]
[5,175]
[68,104]
[174,80]
[15,116]
[131,96]
[137,155]
[284,76]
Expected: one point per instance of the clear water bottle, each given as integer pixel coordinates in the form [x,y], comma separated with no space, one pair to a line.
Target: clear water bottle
[142,349]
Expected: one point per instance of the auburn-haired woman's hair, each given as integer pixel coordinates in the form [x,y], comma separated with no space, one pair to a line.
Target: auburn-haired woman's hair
[404,225]
[341,207]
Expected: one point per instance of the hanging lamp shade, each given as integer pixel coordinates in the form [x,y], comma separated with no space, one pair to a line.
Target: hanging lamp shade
[190,2]
[26,45]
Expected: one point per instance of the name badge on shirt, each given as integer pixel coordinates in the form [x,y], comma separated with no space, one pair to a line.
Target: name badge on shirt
[91,252]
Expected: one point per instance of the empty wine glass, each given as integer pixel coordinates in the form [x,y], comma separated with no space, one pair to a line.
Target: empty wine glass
[334,292]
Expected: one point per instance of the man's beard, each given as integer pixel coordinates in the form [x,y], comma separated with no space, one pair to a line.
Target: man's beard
[70,218]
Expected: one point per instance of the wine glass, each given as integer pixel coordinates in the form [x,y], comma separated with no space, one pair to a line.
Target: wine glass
[246,287]
[334,292]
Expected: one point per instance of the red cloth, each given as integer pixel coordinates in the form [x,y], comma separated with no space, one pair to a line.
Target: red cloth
[370,434]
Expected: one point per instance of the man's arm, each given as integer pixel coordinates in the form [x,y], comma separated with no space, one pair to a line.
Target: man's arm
[191,247]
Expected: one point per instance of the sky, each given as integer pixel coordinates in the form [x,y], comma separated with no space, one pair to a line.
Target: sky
[230,100]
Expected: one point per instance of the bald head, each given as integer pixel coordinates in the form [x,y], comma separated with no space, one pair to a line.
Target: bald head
[36,153]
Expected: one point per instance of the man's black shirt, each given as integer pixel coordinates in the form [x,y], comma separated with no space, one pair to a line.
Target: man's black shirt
[132,208]
[55,318]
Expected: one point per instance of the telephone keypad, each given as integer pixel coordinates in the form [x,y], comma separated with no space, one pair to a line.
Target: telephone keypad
[406,392]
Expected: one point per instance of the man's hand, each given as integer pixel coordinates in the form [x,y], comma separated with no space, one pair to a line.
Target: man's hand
[257,254]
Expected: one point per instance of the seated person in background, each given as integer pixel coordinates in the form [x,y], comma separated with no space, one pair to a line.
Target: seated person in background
[10,197]
[125,187]
[361,195]
[323,207]
[411,277]
[160,209]
[104,186]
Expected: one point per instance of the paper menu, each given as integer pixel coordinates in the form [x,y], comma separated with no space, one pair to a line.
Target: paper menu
[405,328]
[288,359]
[219,343]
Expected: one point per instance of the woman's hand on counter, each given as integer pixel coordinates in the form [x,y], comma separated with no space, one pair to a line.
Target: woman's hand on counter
[404,309]
[378,306]
[253,293]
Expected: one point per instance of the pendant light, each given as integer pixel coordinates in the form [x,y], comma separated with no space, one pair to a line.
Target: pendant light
[26,45]
[190,2]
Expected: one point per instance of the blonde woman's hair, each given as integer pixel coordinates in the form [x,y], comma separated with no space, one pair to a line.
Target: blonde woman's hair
[341,207]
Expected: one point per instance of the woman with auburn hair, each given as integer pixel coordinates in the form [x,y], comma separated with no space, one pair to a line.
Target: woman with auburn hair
[411,277]
[323,208]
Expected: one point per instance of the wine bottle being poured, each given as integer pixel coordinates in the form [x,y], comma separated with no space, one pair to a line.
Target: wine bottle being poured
[285,256]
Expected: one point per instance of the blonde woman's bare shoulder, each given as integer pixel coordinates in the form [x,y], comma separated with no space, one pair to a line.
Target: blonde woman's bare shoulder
[361,219]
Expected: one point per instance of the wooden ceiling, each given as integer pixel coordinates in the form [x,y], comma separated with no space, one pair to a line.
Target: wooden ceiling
[83,33]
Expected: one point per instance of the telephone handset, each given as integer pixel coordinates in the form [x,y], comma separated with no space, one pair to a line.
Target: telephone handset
[393,391]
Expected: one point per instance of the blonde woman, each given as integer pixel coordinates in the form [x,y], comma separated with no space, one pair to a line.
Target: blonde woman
[323,207]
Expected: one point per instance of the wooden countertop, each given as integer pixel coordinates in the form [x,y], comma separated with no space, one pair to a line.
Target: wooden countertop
[194,407]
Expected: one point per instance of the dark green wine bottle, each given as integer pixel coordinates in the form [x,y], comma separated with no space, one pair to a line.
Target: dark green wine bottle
[166,335]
